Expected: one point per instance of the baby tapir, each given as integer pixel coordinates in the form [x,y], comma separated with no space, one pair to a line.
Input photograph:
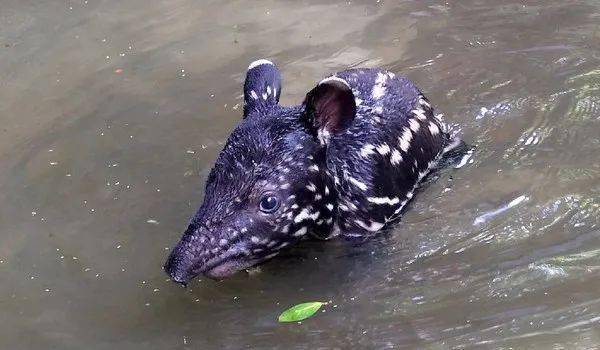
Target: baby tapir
[344,162]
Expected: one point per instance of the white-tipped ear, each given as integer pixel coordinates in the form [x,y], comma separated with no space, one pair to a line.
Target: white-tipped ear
[334,78]
[330,107]
[262,87]
[260,63]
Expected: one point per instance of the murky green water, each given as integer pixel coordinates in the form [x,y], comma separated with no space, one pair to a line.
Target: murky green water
[112,112]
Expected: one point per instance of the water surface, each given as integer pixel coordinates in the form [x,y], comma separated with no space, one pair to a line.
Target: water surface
[112,113]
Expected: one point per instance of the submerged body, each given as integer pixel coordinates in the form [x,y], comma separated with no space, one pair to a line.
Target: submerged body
[346,161]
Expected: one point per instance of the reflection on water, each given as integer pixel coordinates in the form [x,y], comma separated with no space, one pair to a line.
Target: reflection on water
[113,112]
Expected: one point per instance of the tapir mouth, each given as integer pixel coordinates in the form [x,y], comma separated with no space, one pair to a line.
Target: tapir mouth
[218,267]
[227,268]
[226,264]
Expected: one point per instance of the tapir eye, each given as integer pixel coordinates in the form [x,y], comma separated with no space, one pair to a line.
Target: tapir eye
[269,203]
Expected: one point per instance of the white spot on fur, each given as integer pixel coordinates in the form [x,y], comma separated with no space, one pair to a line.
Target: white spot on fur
[423,102]
[301,232]
[420,114]
[414,125]
[254,239]
[326,190]
[311,187]
[357,183]
[384,200]
[259,63]
[383,149]
[367,150]
[253,94]
[379,88]
[306,214]
[378,109]
[223,242]
[405,139]
[396,157]
[318,197]
[329,206]
[323,135]
[268,90]
[433,129]
[285,228]
[372,226]
[314,168]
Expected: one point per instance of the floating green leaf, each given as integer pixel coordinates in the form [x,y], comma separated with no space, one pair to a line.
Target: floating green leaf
[300,312]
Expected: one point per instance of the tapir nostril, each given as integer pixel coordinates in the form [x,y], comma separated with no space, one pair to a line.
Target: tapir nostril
[175,269]
[177,275]
[180,279]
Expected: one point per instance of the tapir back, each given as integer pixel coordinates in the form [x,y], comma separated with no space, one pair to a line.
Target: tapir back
[392,144]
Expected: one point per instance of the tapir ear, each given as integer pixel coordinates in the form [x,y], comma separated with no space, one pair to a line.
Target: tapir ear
[330,108]
[262,87]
